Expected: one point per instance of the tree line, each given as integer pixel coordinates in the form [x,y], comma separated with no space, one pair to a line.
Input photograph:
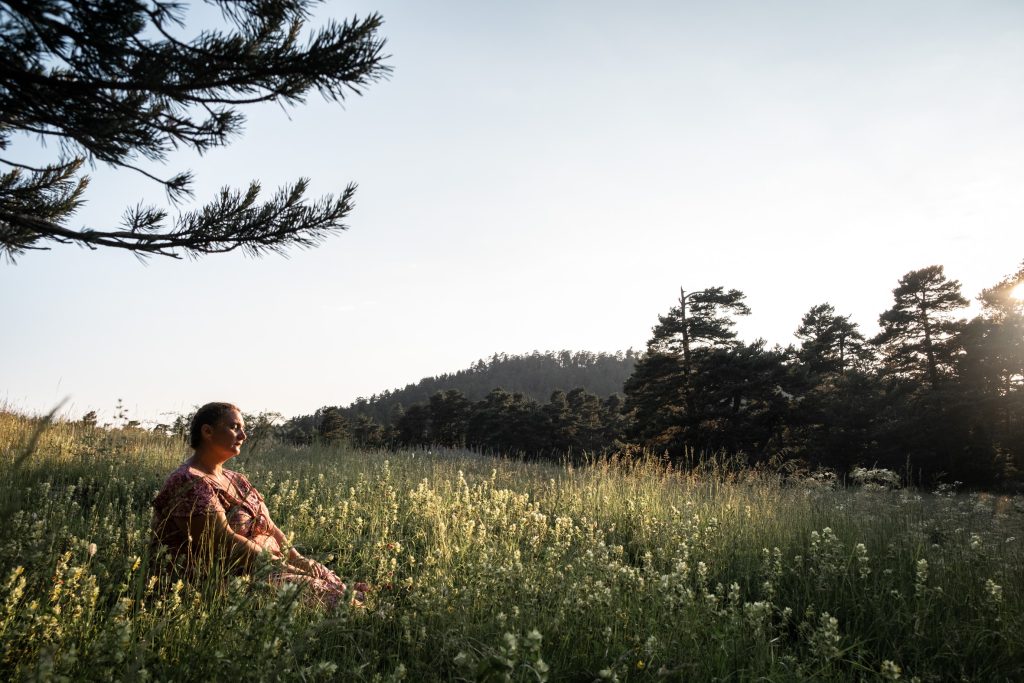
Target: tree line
[535,375]
[933,395]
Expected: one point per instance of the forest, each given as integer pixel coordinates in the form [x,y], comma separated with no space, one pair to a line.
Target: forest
[934,395]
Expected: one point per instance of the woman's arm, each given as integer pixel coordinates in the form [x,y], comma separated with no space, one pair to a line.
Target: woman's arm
[295,558]
[278,535]
[214,525]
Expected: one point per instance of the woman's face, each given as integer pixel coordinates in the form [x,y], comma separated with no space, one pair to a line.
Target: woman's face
[227,436]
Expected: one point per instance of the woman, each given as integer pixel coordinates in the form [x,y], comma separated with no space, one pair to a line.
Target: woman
[206,512]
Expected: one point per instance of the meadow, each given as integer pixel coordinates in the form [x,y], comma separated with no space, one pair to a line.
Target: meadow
[621,568]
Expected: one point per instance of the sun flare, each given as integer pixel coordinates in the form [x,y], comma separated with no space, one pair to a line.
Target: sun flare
[1018,291]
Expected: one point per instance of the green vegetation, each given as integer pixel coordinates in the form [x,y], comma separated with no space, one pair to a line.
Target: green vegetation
[933,397]
[489,569]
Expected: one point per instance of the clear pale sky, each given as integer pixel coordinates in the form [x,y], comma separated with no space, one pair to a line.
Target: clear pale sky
[546,175]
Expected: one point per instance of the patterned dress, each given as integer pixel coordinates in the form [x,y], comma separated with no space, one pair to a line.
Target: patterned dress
[188,493]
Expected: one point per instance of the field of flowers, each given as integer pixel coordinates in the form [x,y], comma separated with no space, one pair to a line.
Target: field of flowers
[486,569]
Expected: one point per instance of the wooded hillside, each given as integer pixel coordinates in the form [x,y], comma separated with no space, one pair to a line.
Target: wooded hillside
[535,375]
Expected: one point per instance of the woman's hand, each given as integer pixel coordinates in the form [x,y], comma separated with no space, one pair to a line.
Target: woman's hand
[297,561]
[308,566]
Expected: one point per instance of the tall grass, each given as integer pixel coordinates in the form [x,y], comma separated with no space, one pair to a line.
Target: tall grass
[489,569]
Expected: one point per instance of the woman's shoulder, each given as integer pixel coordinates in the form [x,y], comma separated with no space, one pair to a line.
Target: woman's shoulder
[240,481]
[184,481]
[185,472]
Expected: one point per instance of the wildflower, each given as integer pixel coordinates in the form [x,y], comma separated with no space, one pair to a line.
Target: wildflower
[861,552]
[327,668]
[921,572]
[734,594]
[91,549]
[640,665]
[758,614]
[286,590]
[891,670]
[824,640]
[994,590]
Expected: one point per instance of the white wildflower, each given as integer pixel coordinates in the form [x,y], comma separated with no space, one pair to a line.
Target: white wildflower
[891,671]
[921,573]
[994,590]
[861,552]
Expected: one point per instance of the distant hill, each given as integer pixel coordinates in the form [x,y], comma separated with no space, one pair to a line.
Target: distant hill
[536,375]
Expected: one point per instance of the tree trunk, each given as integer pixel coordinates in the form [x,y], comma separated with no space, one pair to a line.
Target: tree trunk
[929,352]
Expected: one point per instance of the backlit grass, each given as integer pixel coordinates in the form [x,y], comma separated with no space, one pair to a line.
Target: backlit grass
[489,569]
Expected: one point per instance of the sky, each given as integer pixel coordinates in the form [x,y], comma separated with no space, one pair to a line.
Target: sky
[547,175]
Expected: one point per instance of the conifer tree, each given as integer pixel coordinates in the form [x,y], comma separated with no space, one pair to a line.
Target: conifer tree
[558,422]
[366,433]
[992,370]
[332,424]
[449,418]
[994,341]
[489,427]
[1005,298]
[413,428]
[585,409]
[919,332]
[830,342]
[701,320]
[665,393]
[114,82]
[656,402]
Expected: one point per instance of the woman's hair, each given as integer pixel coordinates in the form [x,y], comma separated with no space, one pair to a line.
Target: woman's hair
[210,414]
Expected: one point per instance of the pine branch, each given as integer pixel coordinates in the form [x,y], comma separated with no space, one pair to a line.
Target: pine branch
[232,221]
[110,81]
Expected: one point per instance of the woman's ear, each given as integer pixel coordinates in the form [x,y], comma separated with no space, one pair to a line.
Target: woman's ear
[206,430]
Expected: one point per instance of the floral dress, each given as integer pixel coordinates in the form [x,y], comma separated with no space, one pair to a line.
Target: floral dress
[189,493]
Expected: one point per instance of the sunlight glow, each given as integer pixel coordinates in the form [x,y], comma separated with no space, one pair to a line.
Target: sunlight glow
[1018,291]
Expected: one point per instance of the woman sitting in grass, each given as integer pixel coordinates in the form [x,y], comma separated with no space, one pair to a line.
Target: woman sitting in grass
[205,511]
